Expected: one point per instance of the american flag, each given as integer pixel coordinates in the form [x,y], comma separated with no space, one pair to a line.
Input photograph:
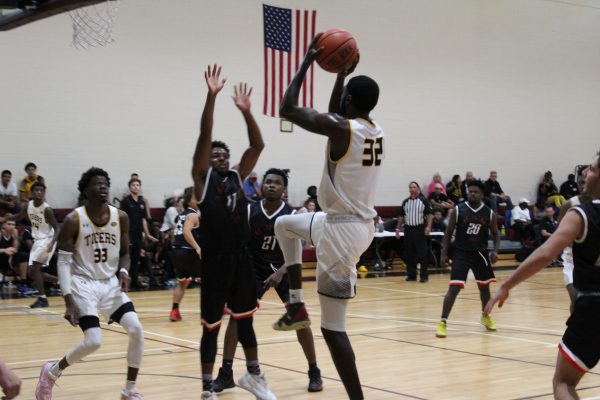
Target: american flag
[287,36]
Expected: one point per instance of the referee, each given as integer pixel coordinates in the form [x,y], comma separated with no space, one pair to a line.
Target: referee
[415,219]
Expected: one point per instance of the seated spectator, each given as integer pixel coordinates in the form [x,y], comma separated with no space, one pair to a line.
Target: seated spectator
[548,225]
[548,192]
[9,195]
[453,189]
[494,193]
[437,178]
[569,188]
[9,246]
[25,245]
[539,212]
[521,220]
[464,187]
[308,206]
[29,179]
[252,187]
[440,200]
[311,191]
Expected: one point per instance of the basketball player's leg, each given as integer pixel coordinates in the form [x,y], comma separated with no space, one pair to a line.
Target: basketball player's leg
[333,327]
[458,277]
[224,379]
[484,276]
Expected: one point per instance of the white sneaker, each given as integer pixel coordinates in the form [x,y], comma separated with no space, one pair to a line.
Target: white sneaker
[206,395]
[257,385]
[43,391]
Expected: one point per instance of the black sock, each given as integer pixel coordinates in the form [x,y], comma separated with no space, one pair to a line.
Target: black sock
[175,306]
[227,365]
[312,366]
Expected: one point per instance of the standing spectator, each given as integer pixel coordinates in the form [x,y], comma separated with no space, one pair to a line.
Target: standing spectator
[568,189]
[252,187]
[135,207]
[437,178]
[548,225]
[454,191]
[311,191]
[495,194]
[27,182]
[521,220]
[9,195]
[464,187]
[415,219]
[438,225]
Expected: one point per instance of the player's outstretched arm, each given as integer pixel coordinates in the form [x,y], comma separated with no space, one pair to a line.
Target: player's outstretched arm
[124,259]
[448,236]
[66,246]
[495,237]
[570,229]
[331,125]
[241,98]
[201,159]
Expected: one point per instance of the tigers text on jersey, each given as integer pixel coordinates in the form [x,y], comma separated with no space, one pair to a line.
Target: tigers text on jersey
[40,228]
[348,185]
[472,227]
[586,252]
[178,239]
[96,252]
[263,245]
[223,210]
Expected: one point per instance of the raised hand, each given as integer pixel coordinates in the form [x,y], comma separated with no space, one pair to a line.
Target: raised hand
[352,66]
[313,52]
[213,79]
[241,96]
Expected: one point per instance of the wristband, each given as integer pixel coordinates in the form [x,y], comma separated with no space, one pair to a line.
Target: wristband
[124,270]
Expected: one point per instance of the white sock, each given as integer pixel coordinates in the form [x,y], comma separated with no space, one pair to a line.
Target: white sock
[296,296]
[130,387]
[55,370]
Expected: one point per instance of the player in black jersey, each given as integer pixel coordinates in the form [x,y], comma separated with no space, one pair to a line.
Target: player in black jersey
[227,273]
[267,260]
[186,255]
[579,350]
[473,220]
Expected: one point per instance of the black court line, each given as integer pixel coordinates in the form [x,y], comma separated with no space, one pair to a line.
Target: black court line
[467,352]
[378,389]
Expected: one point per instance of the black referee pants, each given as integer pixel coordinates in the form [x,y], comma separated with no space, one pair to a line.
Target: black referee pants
[415,250]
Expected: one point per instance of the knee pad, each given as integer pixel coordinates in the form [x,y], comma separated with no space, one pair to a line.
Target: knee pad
[246,335]
[208,345]
[333,313]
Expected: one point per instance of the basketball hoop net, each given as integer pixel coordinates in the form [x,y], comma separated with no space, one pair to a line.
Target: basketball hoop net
[92,25]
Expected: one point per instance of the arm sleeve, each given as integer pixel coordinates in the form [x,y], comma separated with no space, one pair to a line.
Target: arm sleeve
[63,267]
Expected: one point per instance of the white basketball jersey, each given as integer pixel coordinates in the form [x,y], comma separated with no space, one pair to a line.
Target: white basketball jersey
[348,185]
[97,248]
[40,228]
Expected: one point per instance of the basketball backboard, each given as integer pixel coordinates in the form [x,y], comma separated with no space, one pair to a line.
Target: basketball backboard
[14,13]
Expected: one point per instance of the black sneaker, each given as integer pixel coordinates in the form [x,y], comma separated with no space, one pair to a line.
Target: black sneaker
[223,381]
[40,302]
[410,279]
[315,383]
[295,318]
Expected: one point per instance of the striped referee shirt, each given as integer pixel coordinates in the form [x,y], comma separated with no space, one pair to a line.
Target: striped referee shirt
[414,210]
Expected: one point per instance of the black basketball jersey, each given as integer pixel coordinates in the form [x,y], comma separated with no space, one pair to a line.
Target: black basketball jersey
[178,238]
[263,245]
[472,227]
[586,252]
[5,242]
[223,208]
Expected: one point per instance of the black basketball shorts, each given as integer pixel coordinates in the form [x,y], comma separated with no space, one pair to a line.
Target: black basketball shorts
[476,261]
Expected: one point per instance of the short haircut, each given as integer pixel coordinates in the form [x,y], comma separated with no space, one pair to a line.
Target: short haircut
[364,91]
[87,176]
[220,145]
[37,184]
[5,172]
[134,180]
[187,196]
[30,164]
[478,183]
[415,183]
[571,176]
[277,171]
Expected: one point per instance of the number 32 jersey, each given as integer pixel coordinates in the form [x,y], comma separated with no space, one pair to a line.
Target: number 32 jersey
[96,253]
[472,227]
[348,184]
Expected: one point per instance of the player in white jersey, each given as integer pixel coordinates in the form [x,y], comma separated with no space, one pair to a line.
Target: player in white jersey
[345,229]
[93,250]
[45,231]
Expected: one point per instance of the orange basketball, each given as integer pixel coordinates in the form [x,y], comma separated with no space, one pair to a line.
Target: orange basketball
[339,50]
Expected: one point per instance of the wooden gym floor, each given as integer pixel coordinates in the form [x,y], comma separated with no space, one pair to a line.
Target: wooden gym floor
[391,324]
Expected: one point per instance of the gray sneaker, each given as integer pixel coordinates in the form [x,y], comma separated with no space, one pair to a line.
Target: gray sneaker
[257,385]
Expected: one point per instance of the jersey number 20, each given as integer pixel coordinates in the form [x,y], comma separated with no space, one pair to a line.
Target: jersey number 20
[373,149]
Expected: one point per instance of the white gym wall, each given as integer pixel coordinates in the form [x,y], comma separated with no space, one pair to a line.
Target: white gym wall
[511,85]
